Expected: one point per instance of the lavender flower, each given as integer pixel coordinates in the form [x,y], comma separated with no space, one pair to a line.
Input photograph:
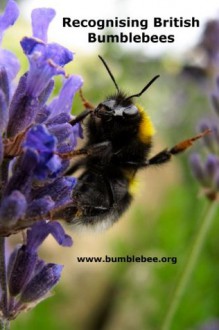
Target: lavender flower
[207,171]
[29,278]
[210,39]
[206,54]
[34,134]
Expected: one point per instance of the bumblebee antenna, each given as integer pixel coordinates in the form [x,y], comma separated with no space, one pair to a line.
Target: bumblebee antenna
[144,89]
[110,73]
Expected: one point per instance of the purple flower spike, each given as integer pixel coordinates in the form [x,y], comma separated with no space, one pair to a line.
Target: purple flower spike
[42,283]
[34,132]
[41,19]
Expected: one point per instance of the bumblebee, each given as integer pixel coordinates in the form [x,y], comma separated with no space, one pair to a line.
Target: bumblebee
[119,141]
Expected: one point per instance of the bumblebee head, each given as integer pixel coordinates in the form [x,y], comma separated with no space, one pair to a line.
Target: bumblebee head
[119,106]
[116,107]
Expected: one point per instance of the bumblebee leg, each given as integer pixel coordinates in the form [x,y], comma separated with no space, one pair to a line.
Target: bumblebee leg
[111,192]
[86,104]
[94,149]
[80,117]
[88,109]
[165,155]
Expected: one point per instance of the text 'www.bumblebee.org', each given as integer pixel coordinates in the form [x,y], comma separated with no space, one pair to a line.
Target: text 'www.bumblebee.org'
[143,259]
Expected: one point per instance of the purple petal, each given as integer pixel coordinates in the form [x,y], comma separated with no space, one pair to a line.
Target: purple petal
[66,134]
[19,117]
[57,231]
[10,62]
[61,131]
[50,169]
[31,45]
[69,144]
[76,132]
[39,266]
[42,283]
[38,138]
[60,190]
[42,115]
[12,208]
[41,18]
[24,115]
[43,97]
[58,54]
[40,206]
[9,16]
[61,118]
[12,259]
[22,270]
[63,103]
[41,229]
[23,174]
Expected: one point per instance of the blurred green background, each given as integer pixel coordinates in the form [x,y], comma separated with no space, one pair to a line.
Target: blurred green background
[162,221]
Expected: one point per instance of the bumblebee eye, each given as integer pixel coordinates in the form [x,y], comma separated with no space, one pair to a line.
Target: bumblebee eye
[130,111]
[104,110]
[109,104]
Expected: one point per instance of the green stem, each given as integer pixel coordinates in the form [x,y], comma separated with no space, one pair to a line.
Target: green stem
[4,325]
[186,275]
